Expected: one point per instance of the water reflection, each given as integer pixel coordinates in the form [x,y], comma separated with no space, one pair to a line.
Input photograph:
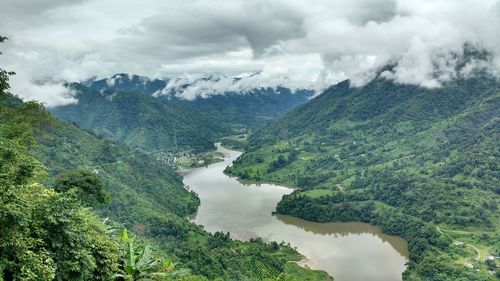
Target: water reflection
[347,251]
[342,229]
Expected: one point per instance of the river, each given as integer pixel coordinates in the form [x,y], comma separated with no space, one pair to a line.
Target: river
[347,251]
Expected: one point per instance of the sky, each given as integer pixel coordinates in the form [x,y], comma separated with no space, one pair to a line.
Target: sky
[291,43]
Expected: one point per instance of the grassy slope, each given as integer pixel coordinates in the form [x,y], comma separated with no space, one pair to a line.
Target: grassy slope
[431,154]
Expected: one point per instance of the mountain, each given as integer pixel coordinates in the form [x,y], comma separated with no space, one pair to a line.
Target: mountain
[403,157]
[127,83]
[147,197]
[253,109]
[141,121]
[139,185]
[156,115]
[232,100]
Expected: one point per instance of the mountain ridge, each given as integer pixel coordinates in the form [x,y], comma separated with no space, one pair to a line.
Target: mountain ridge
[403,157]
[141,121]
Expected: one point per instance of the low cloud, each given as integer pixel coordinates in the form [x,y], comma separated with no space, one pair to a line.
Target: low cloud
[50,94]
[297,44]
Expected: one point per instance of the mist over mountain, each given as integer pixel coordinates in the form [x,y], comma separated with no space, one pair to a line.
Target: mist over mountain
[233,100]
[168,140]
[187,86]
[126,83]
[140,120]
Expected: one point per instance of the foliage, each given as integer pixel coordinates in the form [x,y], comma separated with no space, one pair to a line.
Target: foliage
[142,121]
[45,235]
[87,185]
[51,234]
[139,263]
[399,156]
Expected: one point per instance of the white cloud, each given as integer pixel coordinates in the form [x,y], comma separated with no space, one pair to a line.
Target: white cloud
[50,94]
[299,44]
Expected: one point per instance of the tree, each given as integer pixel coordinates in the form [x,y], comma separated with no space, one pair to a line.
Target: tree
[44,234]
[86,185]
[139,263]
[4,75]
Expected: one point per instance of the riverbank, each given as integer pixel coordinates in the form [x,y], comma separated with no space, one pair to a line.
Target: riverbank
[245,210]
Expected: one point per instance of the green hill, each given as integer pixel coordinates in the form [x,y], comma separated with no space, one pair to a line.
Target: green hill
[47,235]
[142,121]
[248,108]
[251,110]
[400,156]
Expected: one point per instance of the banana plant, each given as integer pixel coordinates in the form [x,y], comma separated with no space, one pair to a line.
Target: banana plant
[139,263]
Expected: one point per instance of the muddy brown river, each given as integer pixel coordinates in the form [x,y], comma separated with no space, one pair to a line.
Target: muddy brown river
[347,251]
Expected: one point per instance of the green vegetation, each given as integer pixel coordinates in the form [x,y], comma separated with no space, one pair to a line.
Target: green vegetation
[402,157]
[250,110]
[315,193]
[52,212]
[246,109]
[199,160]
[142,121]
[236,142]
[84,184]
[45,235]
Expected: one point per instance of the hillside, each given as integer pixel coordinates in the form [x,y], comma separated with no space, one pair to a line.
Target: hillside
[251,108]
[142,121]
[403,157]
[140,187]
[146,197]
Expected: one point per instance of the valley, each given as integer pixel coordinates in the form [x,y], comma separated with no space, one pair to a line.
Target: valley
[268,146]
[347,251]
[420,168]
[337,202]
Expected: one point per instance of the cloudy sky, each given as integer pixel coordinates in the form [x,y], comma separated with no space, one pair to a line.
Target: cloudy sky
[294,43]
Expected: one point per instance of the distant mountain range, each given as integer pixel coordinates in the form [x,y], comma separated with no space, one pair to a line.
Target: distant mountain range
[235,100]
[172,115]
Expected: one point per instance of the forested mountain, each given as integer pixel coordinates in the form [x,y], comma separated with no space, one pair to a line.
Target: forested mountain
[142,121]
[59,184]
[253,109]
[127,83]
[250,108]
[129,109]
[399,156]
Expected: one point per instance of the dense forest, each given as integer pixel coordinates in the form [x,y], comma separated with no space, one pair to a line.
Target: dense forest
[421,163]
[248,109]
[75,206]
[125,109]
[251,110]
[142,121]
